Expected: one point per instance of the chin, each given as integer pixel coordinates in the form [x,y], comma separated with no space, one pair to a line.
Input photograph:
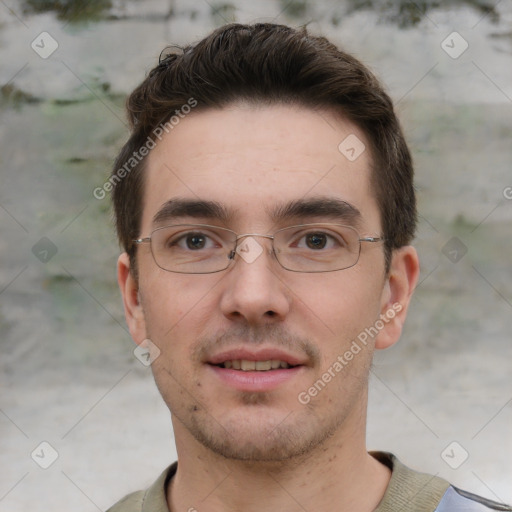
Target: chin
[266,439]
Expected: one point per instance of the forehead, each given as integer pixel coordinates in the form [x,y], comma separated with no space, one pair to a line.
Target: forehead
[253,160]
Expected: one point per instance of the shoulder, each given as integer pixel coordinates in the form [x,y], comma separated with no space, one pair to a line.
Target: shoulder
[407,489]
[130,503]
[420,492]
[152,499]
[455,500]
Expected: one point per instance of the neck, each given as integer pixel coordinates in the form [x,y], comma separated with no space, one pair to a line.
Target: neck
[337,475]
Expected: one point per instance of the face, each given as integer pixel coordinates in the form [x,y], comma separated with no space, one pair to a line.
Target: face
[265,168]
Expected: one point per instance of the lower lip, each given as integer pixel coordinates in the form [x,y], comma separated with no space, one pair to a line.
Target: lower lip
[255,380]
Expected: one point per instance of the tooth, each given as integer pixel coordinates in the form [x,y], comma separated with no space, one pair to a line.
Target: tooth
[263,365]
[247,365]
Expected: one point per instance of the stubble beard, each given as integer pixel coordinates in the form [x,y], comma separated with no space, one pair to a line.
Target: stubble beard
[253,432]
[284,440]
[260,439]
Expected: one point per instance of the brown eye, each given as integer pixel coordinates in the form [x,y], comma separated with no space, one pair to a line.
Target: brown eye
[195,241]
[316,240]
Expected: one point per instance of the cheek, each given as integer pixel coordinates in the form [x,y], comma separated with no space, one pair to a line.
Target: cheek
[341,304]
[176,307]
[175,314]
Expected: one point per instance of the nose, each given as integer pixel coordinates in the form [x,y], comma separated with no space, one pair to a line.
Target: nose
[254,289]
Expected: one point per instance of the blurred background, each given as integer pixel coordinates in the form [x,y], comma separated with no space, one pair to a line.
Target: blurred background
[81,420]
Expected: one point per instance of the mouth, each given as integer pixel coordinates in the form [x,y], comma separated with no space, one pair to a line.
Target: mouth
[260,371]
[246,365]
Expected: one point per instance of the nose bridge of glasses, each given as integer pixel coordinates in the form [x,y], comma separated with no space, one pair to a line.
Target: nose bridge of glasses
[254,248]
[256,235]
[239,237]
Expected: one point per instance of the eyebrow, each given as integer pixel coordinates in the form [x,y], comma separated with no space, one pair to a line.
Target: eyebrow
[177,208]
[299,210]
[317,207]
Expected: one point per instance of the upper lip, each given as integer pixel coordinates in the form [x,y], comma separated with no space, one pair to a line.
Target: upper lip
[264,354]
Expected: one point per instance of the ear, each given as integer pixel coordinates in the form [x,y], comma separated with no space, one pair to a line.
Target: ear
[396,296]
[133,311]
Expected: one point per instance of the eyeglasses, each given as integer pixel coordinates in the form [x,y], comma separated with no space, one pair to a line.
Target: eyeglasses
[204,249]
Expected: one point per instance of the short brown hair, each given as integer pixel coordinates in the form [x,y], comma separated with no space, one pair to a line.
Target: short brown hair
[269,64]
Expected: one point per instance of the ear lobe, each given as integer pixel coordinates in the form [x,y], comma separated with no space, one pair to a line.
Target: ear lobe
[401,281]
[133,311]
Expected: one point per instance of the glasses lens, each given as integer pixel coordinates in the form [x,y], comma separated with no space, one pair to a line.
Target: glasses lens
[192,248]
[317,247]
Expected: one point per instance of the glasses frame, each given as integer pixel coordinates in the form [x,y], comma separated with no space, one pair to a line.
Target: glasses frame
[232,253]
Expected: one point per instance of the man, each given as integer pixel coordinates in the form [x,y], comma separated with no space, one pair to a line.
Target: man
[265,205]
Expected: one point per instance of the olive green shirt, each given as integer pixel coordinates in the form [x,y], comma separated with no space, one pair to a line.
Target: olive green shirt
[408,491]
